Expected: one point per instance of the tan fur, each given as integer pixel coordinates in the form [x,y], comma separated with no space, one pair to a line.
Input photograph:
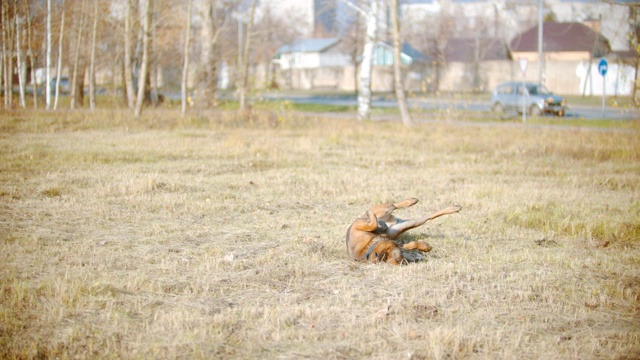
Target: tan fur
[372,237]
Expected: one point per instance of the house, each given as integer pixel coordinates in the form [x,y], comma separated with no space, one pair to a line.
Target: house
[327,63]
[383,55]
[562,41]
[571,52]
[311,53]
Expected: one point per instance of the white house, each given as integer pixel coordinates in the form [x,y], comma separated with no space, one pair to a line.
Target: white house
[325,64]
[310,54]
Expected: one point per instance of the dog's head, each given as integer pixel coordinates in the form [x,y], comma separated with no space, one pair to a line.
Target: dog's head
[386,251]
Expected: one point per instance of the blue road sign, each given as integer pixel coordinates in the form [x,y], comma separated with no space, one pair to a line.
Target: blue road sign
[603,66]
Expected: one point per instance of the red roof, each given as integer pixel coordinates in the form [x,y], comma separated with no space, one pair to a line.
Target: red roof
[559,37]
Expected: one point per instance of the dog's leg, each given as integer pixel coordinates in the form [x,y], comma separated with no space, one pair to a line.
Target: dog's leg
[417,245]
[383,211]
[395,230]
[405,203]
[367,223]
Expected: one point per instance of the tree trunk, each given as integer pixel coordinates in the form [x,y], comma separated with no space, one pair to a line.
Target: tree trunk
[6,56]
[185,66]
[143,74]
[59,67]
[402,100]
[77,96]
[128,63]
[20,65]
[154,67]
[30,54]
[206,88]
[364,89]
[92,63]
[244,88]
[47,86]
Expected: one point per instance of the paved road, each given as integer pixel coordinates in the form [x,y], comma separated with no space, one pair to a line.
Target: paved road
[579,111]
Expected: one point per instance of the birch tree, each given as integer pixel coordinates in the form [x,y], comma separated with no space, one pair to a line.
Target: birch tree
[246,59]
[127,61]
[144,67]
[31,55]
[366,68]
[59,67]
[400,96]
[364,75]
[47,85]
[92,63]
[21,69]
[185,65]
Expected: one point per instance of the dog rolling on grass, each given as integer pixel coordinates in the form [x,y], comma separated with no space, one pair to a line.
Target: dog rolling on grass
[372,237]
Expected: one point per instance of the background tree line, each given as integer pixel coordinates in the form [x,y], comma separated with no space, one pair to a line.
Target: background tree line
[131,41]
[128,43]
[132,44]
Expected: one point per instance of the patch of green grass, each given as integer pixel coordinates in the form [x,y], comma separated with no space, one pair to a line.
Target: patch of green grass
[322,108]
[553,218]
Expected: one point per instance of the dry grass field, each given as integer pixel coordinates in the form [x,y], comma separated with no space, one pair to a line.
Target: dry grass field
[213,237]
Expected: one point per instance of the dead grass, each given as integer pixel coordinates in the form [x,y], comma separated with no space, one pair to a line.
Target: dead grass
[223,237]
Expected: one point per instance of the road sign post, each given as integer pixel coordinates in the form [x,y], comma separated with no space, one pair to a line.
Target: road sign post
[603,66]
[523,68]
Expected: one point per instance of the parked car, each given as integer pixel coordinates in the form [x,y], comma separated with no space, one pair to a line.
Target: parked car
[537,99]
[65,86]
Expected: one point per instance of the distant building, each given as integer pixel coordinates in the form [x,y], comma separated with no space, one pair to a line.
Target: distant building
[568,41]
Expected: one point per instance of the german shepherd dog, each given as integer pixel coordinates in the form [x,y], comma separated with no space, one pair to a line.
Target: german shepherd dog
[372,237]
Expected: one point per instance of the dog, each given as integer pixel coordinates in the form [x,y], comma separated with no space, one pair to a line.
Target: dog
[372,237]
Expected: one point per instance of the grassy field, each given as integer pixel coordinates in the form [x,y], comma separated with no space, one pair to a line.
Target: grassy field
[215,236]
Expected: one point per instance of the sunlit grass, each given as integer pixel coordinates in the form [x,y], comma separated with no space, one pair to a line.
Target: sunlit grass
[220,234]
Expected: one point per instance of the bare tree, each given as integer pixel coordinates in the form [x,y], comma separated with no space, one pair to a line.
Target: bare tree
[246,59]
[128,56]
[206,89]
[59,67]
[92,63]
[400,97]
[366,65]
[20,64]
[366,68]
[185,65]
[5,55]
[144,67]
[48,57]
[31,55]
[210,31]
[76,80]
[7,62]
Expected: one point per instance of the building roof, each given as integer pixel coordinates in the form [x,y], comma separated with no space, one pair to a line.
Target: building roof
[464,50]
[561,37]
[308,45]
[414,53]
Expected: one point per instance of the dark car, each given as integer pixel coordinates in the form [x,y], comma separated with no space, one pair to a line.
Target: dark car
[537,99]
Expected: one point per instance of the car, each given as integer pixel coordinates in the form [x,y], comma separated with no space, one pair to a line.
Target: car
[538,100]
